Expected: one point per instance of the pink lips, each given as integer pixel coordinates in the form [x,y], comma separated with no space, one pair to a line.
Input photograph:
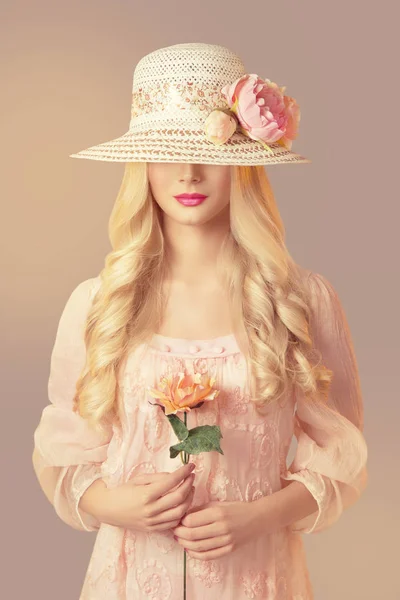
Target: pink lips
[190,199]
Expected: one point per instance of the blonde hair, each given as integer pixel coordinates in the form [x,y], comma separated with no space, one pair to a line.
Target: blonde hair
[266,291]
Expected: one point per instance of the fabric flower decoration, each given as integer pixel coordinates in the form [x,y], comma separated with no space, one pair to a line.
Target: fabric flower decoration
[262,110]
[219,126]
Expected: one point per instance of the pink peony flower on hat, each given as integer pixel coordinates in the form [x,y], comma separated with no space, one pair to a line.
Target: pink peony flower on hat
[219,126]
[292,127]
[263,112]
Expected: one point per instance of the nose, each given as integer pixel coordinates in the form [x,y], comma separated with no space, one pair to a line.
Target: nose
[190,172]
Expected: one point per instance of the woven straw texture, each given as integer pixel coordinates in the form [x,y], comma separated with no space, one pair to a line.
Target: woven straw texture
[174,90]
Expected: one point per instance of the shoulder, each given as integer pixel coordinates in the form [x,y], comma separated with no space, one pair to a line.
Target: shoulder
[84,291]
[320,295]
[78,302]
[317,286]
[327,313]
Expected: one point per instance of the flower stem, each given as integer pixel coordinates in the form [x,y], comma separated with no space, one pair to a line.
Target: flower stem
[185,421]
[186,459]
[183,454]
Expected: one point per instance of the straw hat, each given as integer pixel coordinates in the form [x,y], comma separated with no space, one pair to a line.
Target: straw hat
[195,103]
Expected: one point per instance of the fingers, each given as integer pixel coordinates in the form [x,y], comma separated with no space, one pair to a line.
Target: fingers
[145,478]
[174,498]
[172,516]
[171,480]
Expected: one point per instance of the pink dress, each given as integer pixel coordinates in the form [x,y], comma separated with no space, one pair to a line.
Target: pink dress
[330,458]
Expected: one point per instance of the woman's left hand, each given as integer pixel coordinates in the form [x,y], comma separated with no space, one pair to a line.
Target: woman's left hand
[218,528]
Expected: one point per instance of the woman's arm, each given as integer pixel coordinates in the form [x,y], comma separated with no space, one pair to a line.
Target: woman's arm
[68,455]
[95,500]
[286,506]
[328,473]
[47,477]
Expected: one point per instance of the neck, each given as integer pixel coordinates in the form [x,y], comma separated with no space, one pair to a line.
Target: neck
[192,250]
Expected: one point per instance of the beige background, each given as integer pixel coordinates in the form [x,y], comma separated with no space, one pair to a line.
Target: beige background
[66,84]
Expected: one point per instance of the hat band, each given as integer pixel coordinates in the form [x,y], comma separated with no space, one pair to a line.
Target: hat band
[171,104]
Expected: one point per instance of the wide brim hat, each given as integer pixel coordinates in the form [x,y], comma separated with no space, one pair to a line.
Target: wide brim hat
[195,103]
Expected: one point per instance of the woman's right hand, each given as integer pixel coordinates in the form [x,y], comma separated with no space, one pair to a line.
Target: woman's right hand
[151,501]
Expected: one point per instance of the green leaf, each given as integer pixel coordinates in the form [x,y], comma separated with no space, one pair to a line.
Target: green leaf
[204,438]
[179,427]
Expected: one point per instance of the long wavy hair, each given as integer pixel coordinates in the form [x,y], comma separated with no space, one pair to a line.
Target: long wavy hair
[268,301]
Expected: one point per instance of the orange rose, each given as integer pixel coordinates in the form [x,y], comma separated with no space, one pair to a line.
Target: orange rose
[182,392]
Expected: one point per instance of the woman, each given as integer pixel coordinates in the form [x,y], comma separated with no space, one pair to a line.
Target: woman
[204,287]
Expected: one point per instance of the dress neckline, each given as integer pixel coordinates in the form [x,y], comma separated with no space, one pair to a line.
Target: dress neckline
[201,348]
[220,339]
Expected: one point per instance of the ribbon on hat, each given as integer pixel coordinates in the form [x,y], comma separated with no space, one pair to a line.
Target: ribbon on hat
[259,109]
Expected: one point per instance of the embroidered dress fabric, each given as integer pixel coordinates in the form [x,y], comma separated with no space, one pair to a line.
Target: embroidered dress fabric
[330,458]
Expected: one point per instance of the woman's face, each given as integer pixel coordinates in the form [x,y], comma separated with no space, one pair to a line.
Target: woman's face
[171,179]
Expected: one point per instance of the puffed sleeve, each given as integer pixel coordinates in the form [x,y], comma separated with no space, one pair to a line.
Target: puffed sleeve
[68,454]
[331,454]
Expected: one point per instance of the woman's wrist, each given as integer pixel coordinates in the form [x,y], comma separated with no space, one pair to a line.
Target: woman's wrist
[95,500]
[284,507]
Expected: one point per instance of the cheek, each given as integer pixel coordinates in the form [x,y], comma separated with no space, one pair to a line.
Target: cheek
[158,174]
[155,178]
[158,185]
[222,186]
